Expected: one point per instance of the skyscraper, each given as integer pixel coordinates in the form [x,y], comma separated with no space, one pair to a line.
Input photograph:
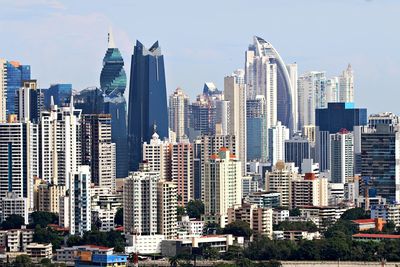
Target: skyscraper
[235,93]
[113,85]
[297,149]
[346,85]
[312,95]
[342,157]
[267,74]
[179,112]
[182,171]
[222,186]
[257,132]
[16,74]
[380,159]
[61,94]
[147,99]
[3,89]
[29,102]
[98,151]
[277,136]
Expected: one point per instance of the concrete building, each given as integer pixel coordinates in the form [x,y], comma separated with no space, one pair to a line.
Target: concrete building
[182,172]
[48,197]
[3,90]
[342,157]
[80,201]
[263,199]
[346,85]
[143,244]
[167,206]
[158,156]
[38,252]
[277,135]
[140,202]
[279,180]
[235,93]
[222,186]
[388,212]
[296,150]
[310,191]
[257,132]
[13,204]
[190,227]
[97,149]
[324,216]
[16,240]
[179,113]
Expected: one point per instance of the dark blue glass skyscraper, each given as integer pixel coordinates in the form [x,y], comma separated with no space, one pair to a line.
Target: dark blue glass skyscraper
[147,100]
[61,94]
[16,74]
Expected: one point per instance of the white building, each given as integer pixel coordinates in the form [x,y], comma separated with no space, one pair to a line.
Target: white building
[309,191]
[3,89]
[140,202]
[235,93]
[179,112]
[80,201]
[157,155]
[342,157]
[222,116]
[312,95]
[222,186]
[143,244]
[277,135]
[14,204]
[167,206]
[16,240]
[60,149]
[19,158]
[346,85]
[190,227]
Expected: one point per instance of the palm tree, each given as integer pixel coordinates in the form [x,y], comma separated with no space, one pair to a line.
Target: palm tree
[173,261]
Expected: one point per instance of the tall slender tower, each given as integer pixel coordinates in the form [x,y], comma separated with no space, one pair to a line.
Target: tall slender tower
[179,112]
[113,85]
[346,85]
[147,100]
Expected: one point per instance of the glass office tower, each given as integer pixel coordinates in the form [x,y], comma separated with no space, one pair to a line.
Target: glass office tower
[16,74]
[147,100]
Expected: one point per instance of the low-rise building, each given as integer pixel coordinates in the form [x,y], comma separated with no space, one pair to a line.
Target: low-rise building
[374,237]
[279,215]
[323,216]
[37,252]
[89,259]
[68,254]
[264,199]
[143,244]
[190,227]
[16,240]
[171,248]
[369,224]
[388,212]
[296,235]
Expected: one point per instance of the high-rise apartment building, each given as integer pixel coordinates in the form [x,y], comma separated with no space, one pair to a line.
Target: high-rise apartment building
[157,154]
[311,95]
[48,197]
[267,75]
[147,100]
[222,186]
[60,144]
[309,191]
[179,113]
[19,157]
[203,115]
[80,201]
[29,102]
[380,159]
[235,93]
[140,202]
[222,117]
[257,138]
[346,85]
[97,149]
[3,90]
[342,157]
[182,172]
[167,205]
[277,135]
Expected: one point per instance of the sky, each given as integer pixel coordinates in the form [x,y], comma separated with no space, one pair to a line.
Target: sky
[65,41]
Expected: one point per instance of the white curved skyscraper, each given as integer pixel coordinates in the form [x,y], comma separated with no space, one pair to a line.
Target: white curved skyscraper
[267,75]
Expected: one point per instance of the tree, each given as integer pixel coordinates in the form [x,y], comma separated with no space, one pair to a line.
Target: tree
[45,262]
[13,222]
[210,253]
[294,212]
[355,214]
[238,228]
[43,218]
[23,261]
[296,226]
[180,211]
[234,252]
[212,229]
[119,217]
[47,235]
[195,208]
[74,240]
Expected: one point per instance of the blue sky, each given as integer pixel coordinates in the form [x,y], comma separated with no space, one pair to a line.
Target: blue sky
[65,41]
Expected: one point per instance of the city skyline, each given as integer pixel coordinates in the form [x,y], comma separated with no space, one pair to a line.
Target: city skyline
[189,56]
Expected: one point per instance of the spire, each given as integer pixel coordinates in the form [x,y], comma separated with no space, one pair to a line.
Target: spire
[111,43]
[155,136]
[71,105]
[51,101]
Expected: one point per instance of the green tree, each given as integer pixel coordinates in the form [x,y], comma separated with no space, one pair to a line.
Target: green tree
[47,235]
[119,217]
[294,212]
[238,228]
[195,208]
[212,228]
[234,252]
[74,240]
[296,226]
[210,253]
[43,218]
[13,222]
[355,214]
[23,261]
[46,262]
